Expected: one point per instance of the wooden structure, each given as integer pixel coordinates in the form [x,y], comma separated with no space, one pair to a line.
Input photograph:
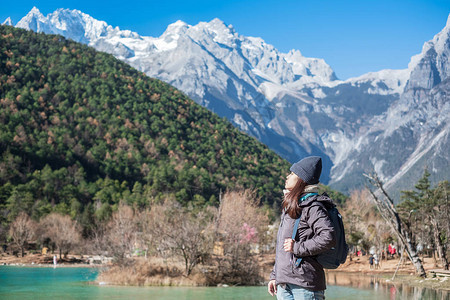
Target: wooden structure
[439,273]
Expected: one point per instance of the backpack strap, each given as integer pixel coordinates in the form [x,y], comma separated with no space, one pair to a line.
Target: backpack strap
[294,232]
[307,196]
[298,261]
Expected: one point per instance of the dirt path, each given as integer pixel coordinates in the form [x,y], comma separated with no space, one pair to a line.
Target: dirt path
[361,265]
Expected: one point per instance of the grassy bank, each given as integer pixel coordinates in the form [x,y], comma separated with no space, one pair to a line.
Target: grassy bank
[150,272]
[215,271]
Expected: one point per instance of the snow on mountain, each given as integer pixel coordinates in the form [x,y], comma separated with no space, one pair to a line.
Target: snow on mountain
[249,57]
[309,69]
[438,50]
[72,24]
[8,22]
[414,131]
[383,82]
[294,104]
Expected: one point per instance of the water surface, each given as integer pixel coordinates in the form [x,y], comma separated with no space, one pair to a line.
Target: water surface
[73,283]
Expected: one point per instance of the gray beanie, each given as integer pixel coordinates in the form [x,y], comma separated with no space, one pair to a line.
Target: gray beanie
[308,169]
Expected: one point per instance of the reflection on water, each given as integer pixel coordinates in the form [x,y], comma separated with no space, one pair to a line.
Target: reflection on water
[394,290]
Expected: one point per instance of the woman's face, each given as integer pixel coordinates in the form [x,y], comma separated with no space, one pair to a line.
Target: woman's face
[291,181]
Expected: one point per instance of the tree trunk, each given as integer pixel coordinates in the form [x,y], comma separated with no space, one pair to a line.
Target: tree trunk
[411,250]
[438,243]
[390,215]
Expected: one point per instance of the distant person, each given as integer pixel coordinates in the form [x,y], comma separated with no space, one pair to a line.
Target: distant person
[371,262]
[376,261]
[315,234]
[391,250]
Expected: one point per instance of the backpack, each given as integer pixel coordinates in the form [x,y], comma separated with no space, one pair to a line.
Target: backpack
[332,258]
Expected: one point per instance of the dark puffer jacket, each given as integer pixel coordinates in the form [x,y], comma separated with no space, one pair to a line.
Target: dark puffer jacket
[315,235]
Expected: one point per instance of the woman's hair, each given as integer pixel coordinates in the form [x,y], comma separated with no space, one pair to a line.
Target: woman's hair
[290,201]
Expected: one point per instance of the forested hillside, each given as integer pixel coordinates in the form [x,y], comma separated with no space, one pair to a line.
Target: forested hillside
[81,131]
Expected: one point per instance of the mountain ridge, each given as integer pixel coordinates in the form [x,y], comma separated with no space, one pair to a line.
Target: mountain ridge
[295,105]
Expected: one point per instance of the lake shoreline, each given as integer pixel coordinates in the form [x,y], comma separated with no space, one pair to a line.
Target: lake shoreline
[354,268]
[53,266]
[46,261]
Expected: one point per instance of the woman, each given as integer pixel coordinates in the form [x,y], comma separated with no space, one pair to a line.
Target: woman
[315,234]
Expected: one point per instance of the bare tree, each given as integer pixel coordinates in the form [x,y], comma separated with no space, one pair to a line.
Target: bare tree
[172,230]
[61,230]
[119,236]
[241,225]
[22,231]
[387,209]
[241,218]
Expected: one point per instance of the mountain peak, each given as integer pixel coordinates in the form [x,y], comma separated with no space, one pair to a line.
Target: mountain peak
[179,23]
[72,24]
[217,21]
[35,10]
[176,28]
[32,21]
[217,24]
[8,21]
[34,13]
[295,54]
[434,52]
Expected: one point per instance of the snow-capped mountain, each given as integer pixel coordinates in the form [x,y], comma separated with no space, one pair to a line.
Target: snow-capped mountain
[294,104]
[414,132]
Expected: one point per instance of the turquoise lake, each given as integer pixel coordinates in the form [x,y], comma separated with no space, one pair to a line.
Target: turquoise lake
[73,283]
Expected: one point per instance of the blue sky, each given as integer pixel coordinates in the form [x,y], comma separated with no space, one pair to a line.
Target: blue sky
[354,37]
